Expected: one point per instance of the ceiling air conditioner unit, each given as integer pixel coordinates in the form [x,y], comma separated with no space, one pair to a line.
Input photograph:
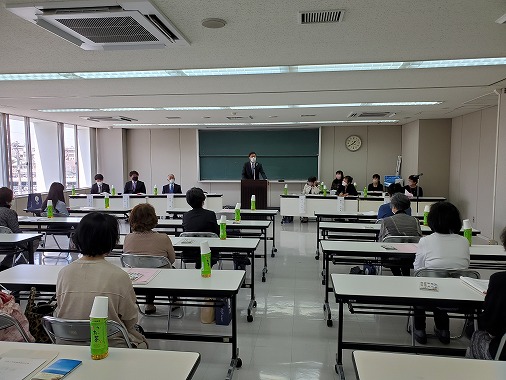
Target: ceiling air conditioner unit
[104,24]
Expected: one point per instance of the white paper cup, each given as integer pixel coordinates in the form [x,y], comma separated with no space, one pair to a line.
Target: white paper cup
[223,219]
[466,224]
[204,248]
[100,307]
[426,208]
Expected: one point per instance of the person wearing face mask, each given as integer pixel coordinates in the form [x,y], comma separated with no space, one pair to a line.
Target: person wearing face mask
[99,186]
[172,187]
[347,187]
[252,169]
[134,186]
[311,187]
[338,181]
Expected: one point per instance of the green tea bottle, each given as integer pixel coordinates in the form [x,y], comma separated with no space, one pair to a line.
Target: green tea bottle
[155,190]
[113,190]
[99,345]
[253,202]
[324,190]
[73,190]
[223,227]
[285,189]
[205,258]
[468,230]
[237,215]
[49,209]
[426,210]
[106,200]
[365,191]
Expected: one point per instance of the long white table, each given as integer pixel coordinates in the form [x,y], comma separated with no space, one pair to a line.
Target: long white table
[398,291]
[358,252]
[290,204]
[19,240]
[390,366]
[111,210]
[122,363]
[180,283]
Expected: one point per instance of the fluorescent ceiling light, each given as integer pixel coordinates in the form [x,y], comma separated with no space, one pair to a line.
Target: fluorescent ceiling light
[258,124]
[228,71]
[221,108]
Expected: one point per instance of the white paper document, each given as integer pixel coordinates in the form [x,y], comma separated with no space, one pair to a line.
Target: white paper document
[18,368]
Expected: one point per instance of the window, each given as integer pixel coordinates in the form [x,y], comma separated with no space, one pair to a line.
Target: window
[70,156]
[46,157]
[18,176]
[84,156]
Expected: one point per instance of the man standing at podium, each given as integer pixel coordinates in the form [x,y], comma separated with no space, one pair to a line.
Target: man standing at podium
[253,169]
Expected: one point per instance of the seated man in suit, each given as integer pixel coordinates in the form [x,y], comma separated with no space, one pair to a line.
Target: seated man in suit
[172,187]
[199,219]
[99,186]
[134,186]
[252,169]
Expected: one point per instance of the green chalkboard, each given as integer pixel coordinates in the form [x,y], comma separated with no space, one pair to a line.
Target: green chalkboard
[284,154]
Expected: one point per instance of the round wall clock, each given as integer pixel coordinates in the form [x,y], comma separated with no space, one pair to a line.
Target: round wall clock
[353,143]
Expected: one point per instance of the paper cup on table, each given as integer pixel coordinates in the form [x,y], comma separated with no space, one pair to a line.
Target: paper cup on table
[466,224]
[426,208]
[100,308]
[223,219]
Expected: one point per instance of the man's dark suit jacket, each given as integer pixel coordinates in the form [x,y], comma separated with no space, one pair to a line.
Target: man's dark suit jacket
[247,173]
[200,220]
[105,188]
[140,188]
[177,189]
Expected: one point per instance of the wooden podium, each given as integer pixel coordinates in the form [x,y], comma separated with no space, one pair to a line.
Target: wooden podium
[257,187]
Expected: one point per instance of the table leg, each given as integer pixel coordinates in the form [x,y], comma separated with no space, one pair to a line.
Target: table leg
[274,249]
[236,361]
[326,305]
[252,302]
[339,355]
[317,256]
[31,253]
[264,270]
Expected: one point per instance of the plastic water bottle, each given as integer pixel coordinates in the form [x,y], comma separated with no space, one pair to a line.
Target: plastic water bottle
[99,345]
[113,190]
[365,191]
[106,200]
[237,214]
[426,210]
[468,230]
[49,209]
[285,189]
[223,227]
[155,190]
[205,258]
[324,190]
[73,190]
[253,202]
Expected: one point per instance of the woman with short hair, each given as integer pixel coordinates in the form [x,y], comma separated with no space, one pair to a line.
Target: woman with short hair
[79,282]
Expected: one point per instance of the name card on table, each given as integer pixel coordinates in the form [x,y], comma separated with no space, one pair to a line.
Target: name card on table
[302,204]
[170,201]
[126,201]
[340,204]
[89,200]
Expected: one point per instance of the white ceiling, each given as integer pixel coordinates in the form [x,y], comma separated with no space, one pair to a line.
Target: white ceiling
[267,33]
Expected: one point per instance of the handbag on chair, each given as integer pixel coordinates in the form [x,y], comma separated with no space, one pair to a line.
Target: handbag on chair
[35,312]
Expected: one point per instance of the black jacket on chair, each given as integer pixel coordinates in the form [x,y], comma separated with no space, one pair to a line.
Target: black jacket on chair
[200,220]
[247,173]
[139,188]
[177,189]
[105,188]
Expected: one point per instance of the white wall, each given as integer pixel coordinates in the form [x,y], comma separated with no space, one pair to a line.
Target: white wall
[499,203]
[410,140]
[110,156]
[472,168]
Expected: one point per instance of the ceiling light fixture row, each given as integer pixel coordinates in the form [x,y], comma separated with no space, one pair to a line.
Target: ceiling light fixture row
[335,67]
[258,124]
[225,108]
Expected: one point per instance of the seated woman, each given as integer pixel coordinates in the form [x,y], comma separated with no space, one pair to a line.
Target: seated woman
[444,249]
[338,181]
[400,224]
[385,210]
[311,187]
[79,282]
[55,194]
[412,188]
[143,240]
[347,187]
[375,185]
[199,219]
[492,322]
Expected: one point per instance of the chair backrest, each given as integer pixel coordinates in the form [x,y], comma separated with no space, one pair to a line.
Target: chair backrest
[401,239]
[198,234]
[447,273]
[5,230]
[78,331]
[7,321]
[500,349]
[135,260]
[34,202]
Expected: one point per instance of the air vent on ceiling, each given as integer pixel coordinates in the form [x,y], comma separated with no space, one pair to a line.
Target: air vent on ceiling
[173,117]
[104,25]
[239,117]
[371,114]
[108,118]
[320,17]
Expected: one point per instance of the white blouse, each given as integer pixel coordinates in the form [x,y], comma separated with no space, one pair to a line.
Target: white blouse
[442,251]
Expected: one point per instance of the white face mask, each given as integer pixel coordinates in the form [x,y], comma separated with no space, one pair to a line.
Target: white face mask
[253,159]
[171,180]
[345,183]
[99,183]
